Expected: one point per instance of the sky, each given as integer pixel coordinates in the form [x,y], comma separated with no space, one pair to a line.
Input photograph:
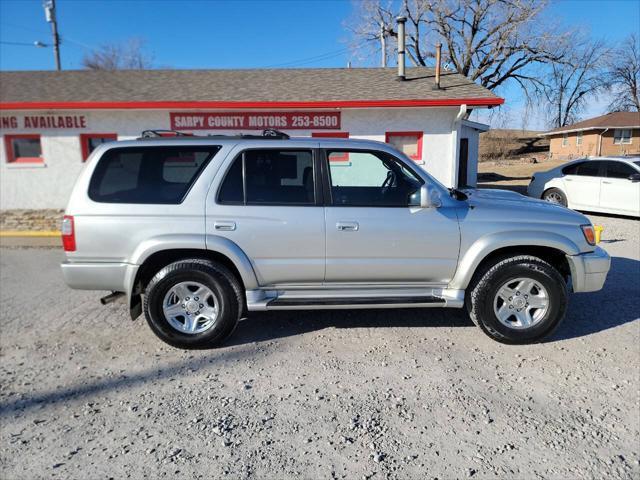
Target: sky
[240,33]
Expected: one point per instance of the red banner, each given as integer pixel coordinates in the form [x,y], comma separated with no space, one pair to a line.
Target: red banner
[255,120]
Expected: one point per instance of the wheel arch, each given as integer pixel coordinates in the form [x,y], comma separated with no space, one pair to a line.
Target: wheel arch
[216,249]
[550,247]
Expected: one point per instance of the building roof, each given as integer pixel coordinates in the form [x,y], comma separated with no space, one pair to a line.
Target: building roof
[273,88]
[610,120]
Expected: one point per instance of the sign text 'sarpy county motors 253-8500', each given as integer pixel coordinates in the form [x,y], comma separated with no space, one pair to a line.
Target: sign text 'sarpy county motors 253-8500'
[254,120]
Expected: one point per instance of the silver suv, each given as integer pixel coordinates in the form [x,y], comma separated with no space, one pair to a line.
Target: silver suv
[199,231]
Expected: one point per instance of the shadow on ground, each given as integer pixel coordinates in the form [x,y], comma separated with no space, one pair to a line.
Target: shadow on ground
[618,303]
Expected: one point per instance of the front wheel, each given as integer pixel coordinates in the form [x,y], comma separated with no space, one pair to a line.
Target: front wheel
[518,300]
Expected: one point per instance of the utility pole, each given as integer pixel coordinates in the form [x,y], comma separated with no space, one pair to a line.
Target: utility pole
[50,15]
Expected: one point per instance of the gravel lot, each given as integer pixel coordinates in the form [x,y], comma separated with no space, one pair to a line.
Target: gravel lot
[86,393]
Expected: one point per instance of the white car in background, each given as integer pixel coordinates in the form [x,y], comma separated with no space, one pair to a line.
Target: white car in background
[602,184]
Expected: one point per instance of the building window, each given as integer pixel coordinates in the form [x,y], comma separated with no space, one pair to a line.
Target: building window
[23,149]
[622,136]
[409,143]
[579,139]
[565,140]
[90,141]
[335,158]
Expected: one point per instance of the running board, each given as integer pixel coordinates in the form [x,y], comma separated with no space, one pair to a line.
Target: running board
[260,300]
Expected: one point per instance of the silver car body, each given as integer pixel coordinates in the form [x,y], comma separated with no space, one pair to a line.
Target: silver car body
[298,254]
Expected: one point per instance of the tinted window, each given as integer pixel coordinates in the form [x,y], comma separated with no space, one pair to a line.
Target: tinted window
[148,174]
[370,180]
[618,170]
[588,169]
[571,169]
[231,190]
[271,177]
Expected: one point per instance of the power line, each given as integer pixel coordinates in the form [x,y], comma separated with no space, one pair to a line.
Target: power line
[316,58]
[22,44]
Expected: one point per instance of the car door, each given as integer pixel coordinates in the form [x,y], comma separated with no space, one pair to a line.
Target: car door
[582,184]
[619,192]
[268,203]
[372,233]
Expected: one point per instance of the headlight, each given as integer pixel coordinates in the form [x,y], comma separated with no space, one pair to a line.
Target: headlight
[589,234]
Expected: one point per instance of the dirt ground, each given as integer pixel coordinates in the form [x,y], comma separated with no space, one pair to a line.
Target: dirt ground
[87,394]
[512,174]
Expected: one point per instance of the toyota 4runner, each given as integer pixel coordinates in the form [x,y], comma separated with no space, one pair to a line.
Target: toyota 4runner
[199,231]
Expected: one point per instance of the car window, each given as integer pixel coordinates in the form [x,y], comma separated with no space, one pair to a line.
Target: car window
[370,179]
[618,170]
[588,169]
[270,177]
[232,189]
[571,169]
[148,175]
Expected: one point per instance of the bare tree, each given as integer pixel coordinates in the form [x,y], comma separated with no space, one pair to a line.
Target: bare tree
[570,83]
[125,56]
[490,41]
[623,76]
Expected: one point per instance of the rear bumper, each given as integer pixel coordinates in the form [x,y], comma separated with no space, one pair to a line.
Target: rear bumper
[534,189]
[589,270]
[116,277]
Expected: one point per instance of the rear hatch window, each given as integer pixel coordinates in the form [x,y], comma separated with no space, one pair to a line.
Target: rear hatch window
[160,175]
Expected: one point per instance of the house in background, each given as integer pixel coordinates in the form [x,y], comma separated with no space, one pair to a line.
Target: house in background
[615,133]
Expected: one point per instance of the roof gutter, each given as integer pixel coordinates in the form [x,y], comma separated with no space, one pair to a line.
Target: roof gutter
[560,132]
[163,105]
[600,140]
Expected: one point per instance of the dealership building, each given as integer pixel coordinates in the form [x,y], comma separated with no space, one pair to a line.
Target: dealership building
[51,121]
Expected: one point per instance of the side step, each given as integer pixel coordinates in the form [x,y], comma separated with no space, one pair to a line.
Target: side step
[353,302]
[345,298]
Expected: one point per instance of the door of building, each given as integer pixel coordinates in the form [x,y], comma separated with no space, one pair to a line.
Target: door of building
[463,163]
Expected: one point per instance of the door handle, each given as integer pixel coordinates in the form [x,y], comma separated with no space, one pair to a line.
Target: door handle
[568,180]
[347,226]
[224,226]
[608,183]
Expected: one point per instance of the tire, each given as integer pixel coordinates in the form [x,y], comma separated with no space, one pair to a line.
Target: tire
[217,315]
[555,195]
[487,297]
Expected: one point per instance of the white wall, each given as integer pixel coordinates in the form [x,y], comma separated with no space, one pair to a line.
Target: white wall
[474,137]
[49,185]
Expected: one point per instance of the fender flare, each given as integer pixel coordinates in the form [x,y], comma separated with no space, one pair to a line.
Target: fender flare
[486,245]
[211,243]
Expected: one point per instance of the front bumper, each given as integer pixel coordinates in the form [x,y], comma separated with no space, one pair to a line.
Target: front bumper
[589,270]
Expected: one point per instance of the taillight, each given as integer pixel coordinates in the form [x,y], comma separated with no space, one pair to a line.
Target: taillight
[68,234]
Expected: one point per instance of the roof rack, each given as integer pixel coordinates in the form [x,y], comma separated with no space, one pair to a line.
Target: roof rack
[163,133]
[268,134]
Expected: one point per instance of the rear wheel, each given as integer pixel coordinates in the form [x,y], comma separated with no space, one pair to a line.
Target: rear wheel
[555,195]
[518,300]
[193,303]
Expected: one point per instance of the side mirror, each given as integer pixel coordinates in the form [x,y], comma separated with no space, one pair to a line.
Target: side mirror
[634,177]
[425,197]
